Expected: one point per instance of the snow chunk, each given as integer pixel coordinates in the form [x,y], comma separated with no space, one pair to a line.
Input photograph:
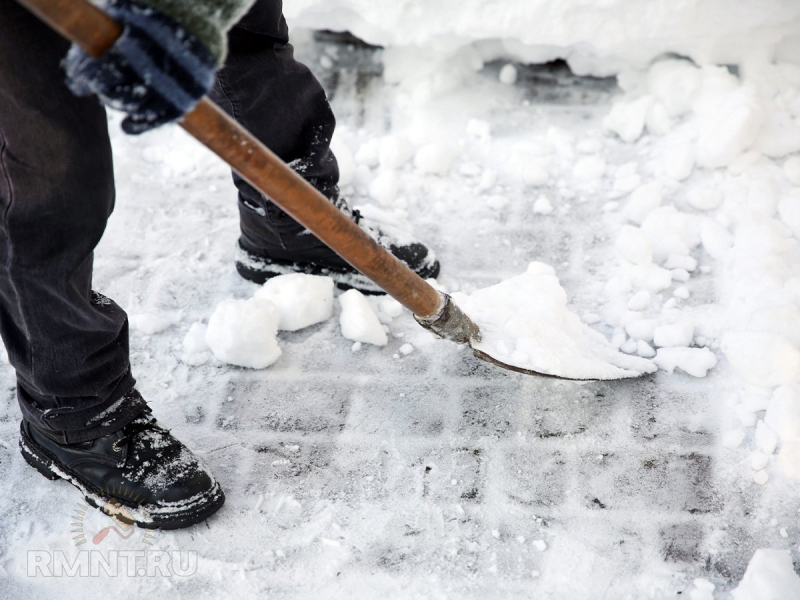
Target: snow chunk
[525,322]
[763,359]
[384,187]
[642,329]
[243,333]
[677,334]
[705,197]
[195,340]
[675,83]
[508,74]
[589,168]
[769,576]
[542,206]
[643,201]
[789,210]
[695,361]
[789,459]
[783,413]
[390,307]
[434,158]
[633,246]
[394,151]
[761,477]
[302,300]
[152,323]
[479,129]
[644,349]
[703,590]
[627,118]
[678,161]
[639,301]
[765,439]
[730,128]
[792,169]
[359,322]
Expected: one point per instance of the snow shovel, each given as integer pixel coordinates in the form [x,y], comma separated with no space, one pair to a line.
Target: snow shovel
[95,32]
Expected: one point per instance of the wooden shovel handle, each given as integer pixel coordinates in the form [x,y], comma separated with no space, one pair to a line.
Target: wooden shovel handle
[95,32]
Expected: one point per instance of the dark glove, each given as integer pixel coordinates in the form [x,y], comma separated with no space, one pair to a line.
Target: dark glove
[156,71]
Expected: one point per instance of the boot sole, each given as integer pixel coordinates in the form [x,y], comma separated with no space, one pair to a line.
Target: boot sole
[144,515]
[259,270]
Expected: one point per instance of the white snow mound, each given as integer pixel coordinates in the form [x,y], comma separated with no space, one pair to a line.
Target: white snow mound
[769,576]
[525,322]
[302,300]
[359,322]
[242,333]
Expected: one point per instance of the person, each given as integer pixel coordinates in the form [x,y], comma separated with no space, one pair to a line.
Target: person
[82,418]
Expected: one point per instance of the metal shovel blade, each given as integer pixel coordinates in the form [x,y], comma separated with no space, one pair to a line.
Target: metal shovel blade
[451,323]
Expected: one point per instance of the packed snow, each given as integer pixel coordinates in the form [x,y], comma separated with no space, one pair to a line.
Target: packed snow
[525,322]
[361,456]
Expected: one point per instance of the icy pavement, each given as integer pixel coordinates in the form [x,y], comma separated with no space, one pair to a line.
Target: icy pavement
[377,472]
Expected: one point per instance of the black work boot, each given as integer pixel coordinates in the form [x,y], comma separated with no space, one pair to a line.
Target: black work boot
[140,474]
[272,244]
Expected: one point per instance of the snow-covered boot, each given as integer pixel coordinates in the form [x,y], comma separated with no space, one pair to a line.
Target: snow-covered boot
[140,474]
[274,244]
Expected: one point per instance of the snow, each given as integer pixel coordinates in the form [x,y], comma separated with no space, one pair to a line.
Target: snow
[379,476]
[633,246]
[302,300]
[762,358]
[359,321]
[675,334]
[694,361]
[643,201]
[508,74]
[525,322]
[243,333]
[769,576]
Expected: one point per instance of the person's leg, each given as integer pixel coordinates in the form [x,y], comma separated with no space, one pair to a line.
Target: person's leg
[280,101]
[68,344]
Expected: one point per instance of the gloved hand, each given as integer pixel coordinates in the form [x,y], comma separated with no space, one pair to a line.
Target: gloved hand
[157,71]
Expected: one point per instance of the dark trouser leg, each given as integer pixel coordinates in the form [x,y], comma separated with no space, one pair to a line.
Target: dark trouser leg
[68,345]
[283,105]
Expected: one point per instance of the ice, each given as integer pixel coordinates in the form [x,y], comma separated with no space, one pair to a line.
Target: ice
[694,361]
[769,576]
[359,322]
[434,158]
[302,300]
[764,359]
[525,322]
[675,334]
[643,201]
[633,246]
[243,333]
